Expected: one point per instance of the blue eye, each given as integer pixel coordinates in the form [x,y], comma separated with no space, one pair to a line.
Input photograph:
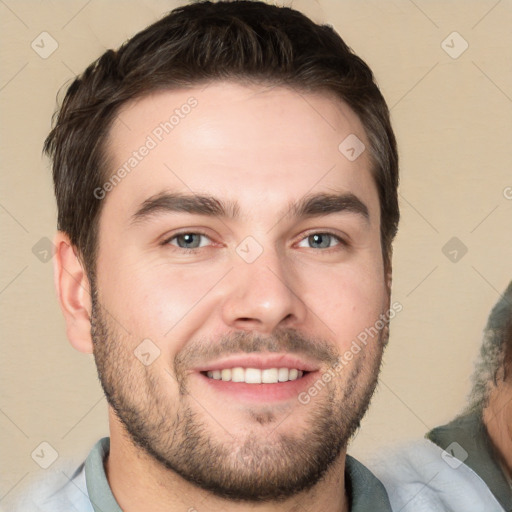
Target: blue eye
[187,241]
[322,240]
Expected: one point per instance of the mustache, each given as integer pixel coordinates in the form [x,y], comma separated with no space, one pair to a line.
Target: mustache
[290,341]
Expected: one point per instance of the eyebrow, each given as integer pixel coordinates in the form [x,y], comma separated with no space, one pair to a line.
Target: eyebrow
[312,205]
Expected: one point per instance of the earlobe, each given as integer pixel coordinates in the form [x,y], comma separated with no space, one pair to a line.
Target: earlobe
[73,292]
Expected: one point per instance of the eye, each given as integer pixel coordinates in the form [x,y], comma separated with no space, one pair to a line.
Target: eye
[187,240]
[322,240]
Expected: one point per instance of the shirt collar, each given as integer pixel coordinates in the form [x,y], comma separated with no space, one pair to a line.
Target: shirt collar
[365,491]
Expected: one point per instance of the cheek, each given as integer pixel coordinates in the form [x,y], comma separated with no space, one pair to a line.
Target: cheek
[161,302]
[349,301]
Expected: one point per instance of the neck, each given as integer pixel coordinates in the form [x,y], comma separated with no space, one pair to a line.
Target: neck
[138,482]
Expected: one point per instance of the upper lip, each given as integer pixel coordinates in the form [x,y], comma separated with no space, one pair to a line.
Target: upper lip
[261,361]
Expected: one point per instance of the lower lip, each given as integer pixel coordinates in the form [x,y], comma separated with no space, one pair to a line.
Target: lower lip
[262,392]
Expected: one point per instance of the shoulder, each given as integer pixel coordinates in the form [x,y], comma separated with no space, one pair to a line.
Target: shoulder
[59,490]
[420,476]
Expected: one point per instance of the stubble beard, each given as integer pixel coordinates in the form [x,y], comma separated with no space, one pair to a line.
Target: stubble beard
[268,464]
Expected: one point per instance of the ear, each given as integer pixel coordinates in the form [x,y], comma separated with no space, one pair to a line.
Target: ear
[73,293]
[388,278]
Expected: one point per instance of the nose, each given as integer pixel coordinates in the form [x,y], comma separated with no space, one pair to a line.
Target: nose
[263,295]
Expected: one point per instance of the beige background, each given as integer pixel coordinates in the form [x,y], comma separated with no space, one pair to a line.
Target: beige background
[453,120]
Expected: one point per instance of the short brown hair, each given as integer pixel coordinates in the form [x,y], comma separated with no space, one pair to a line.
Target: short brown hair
[244,41]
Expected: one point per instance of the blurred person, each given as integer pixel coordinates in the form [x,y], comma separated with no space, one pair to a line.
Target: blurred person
[465,465]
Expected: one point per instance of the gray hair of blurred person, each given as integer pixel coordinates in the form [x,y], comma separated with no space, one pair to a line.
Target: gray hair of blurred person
[495,362]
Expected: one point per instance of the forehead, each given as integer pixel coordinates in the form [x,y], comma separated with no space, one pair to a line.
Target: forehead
[246,143]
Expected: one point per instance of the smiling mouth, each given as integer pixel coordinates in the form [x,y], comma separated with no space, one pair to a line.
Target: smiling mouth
[256,375]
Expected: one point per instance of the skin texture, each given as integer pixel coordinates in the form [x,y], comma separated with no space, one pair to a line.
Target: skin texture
[497,418]
[176,442]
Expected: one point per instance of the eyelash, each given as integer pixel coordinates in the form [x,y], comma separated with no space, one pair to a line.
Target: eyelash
[167,241]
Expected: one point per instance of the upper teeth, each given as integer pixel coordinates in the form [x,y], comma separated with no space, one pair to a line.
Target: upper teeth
[255,375]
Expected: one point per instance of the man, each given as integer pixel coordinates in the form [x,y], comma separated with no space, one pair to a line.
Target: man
[465,465]
[227,198]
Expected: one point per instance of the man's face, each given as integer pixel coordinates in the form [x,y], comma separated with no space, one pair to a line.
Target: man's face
[269,287]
